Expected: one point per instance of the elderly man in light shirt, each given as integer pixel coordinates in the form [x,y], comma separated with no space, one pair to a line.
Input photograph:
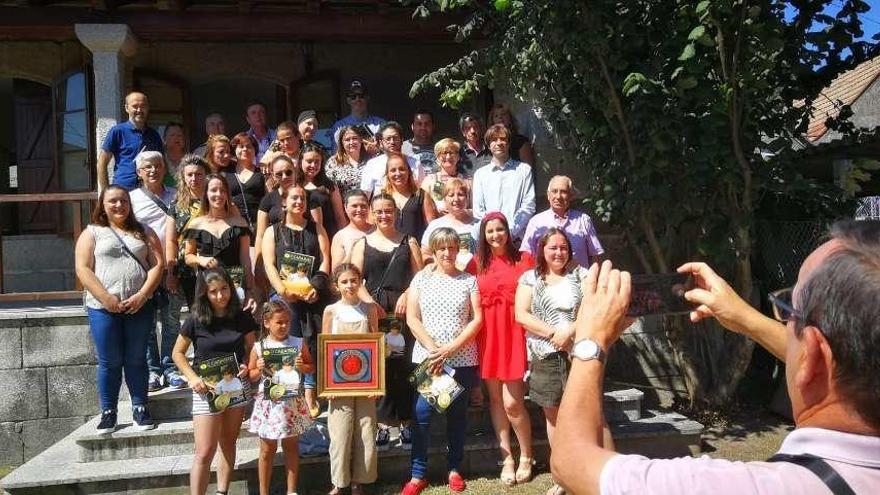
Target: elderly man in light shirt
[825,330]
[576,224]
[504,185]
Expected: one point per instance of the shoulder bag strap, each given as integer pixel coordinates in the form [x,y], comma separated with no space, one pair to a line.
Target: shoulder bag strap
[247,215]
[161,204]
[128,251]
[820,468]
[390,262]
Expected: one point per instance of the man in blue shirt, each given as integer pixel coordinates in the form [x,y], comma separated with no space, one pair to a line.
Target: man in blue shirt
[125,141]
[358,99]
[255,114]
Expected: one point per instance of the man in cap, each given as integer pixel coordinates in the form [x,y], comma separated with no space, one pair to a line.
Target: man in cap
[358,99]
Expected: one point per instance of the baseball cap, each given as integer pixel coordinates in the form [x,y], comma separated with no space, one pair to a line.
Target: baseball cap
[357,87]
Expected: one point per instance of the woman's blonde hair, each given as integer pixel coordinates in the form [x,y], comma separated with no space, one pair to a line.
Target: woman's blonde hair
[389,187]
[454,185]
[443,237]
[446,144]
[212,141]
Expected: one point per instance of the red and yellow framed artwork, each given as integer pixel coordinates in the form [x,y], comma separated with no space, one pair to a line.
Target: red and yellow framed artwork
[351,365]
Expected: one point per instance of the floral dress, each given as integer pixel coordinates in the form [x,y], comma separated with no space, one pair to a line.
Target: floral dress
[276,420]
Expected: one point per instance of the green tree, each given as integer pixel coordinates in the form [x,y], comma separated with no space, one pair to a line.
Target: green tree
[684,114]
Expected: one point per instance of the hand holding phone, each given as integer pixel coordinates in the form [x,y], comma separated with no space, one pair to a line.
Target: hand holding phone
[660,294]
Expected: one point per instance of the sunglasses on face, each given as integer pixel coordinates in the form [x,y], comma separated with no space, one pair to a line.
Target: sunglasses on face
[357,97]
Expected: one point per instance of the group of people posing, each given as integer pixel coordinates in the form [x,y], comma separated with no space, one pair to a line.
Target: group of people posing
[444,243]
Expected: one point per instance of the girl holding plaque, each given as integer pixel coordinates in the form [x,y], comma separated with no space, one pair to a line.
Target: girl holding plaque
[352,420]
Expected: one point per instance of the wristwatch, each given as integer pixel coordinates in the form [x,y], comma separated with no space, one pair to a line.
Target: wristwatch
[586,350]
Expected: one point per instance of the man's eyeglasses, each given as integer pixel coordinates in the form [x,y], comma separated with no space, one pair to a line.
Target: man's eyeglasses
[392,139]
[283,173]
[783,307]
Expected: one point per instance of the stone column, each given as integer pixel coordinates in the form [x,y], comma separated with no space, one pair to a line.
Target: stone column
[109,44]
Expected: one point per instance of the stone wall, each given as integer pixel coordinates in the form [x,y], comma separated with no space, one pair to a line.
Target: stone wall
[47,380]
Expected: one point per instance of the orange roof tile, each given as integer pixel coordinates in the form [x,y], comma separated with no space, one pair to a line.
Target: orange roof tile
[844,90]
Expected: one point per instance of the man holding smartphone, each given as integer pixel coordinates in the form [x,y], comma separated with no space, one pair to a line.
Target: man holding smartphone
[577,225]
[825,330]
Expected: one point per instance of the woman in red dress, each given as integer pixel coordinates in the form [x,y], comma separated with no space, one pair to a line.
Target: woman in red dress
[502,344]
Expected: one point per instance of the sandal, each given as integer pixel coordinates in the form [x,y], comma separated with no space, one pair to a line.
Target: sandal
[508,478]
[524,470]
[555,490]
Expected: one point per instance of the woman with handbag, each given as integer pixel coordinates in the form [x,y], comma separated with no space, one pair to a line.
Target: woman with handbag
[389,259]
[120,264]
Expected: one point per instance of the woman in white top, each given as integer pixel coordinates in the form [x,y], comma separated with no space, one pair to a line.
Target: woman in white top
[458,218]
[357,209]
[444,314]
[448,153]
[119,263]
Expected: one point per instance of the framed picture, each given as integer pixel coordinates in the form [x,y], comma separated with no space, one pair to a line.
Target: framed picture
[351,365]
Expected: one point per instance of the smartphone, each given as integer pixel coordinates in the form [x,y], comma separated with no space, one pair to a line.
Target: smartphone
[660,294]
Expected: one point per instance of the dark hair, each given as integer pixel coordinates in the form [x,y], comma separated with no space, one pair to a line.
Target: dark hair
[202,308]
[341,156]
[130,225]
[345,267]
[484,252]
[299,178]
[240,138]
[255,102]
[382,196]
[840,298]
[321,180]
[169,125]
[205,207]
[389,125]
[541,268]
[354,193]
[288,125]
[423,111]
[468,117]
[227,370]
[493,131]
[270,308]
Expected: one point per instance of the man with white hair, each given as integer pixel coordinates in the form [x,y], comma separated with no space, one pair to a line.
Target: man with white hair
[576,224]
[825,330]
[151,203]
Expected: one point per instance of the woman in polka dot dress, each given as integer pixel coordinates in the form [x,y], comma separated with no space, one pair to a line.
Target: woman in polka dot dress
[444,314]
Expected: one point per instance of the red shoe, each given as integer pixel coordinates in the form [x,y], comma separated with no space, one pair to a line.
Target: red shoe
[456,482]
[416,488]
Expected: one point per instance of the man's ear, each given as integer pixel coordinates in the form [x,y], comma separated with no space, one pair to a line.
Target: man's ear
[816,362]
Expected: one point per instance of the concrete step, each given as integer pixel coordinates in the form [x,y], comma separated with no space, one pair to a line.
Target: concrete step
[59,471]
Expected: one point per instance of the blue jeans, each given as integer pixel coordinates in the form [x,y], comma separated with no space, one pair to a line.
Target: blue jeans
[168,315]
[121,342]
[456,425]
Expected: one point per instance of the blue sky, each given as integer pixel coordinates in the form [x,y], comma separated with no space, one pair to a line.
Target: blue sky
[870,20]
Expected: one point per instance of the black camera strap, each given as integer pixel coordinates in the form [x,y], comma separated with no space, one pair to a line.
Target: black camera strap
[820,468]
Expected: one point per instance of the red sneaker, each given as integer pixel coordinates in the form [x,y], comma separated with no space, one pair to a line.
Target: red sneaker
[414,488]
[456,482]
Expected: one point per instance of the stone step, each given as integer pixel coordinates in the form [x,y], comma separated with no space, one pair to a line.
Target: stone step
[58,471]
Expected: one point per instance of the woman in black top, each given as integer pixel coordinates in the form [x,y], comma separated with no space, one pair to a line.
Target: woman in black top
[414,211]
[219,237]
[322,192]
[191,173]
[247,184]
[287,247]
[216,327]
[388,259]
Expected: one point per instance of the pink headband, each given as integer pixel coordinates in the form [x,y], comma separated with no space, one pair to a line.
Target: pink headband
[494,215]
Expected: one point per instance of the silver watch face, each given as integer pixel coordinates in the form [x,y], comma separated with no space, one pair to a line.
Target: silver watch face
[586,349]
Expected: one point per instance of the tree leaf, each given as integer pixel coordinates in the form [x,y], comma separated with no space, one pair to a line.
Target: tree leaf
[688,52]
[696,33]
[702,6]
